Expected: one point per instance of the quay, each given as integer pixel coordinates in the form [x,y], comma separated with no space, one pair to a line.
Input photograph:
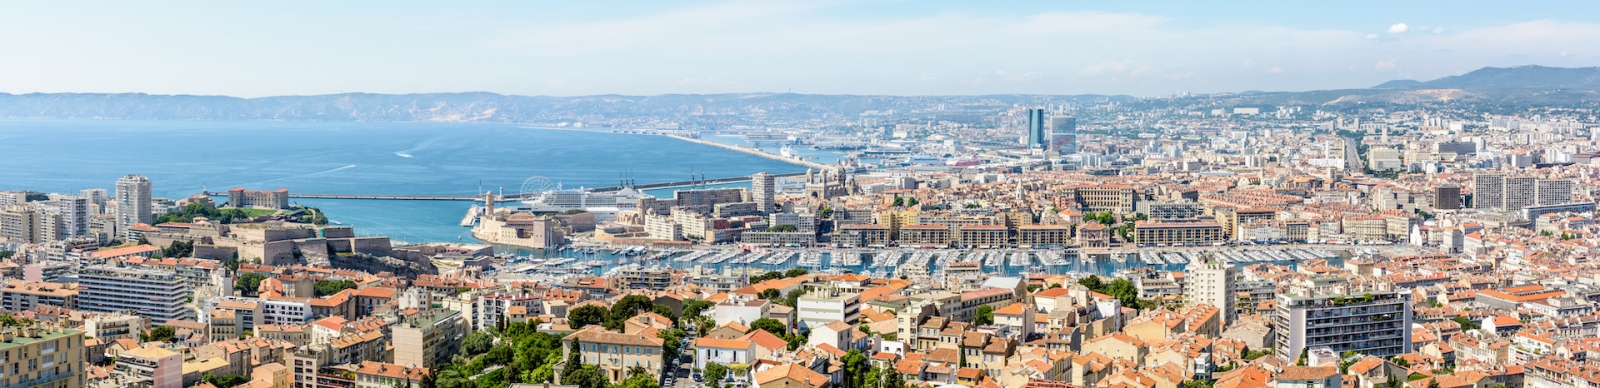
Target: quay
[756,152]
[518,197]
[370,196]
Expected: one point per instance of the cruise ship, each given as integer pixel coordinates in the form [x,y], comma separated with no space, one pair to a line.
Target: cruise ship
[604,205]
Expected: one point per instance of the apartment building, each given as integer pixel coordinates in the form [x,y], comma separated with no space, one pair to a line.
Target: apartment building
[985,236]
[864,235]
[428,338]
[827,304]
[1213,283]
[1177,233]
[42,355]
[1043,235]
[925,235]
[1376,323]
[111,327]
[159,295]
[20,295]
[615,353]
[151,367]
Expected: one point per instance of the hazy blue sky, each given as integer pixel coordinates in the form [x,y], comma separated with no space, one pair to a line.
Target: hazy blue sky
[877,47]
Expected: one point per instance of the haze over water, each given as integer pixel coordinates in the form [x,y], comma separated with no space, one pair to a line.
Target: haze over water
[183,157]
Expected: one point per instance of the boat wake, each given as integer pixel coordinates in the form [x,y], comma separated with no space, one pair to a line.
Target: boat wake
[402,154]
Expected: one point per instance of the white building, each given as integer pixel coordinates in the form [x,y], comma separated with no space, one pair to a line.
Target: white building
[158,295]
[825,305]
[1212,282]
[133,201]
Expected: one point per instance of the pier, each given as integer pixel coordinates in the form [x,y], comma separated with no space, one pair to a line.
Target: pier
[756,152]
[369,196]
[519,197]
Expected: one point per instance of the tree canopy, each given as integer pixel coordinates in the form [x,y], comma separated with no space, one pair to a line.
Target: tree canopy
[330,287]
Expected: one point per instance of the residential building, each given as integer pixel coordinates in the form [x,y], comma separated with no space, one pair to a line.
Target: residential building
[428,338]
[20,295]
[1212,282]
[615,353]
[133,202]
[1375,323]
[158,295]
[42,355]
[827,304]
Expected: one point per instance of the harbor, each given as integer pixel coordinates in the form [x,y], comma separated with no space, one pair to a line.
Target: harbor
[909,263]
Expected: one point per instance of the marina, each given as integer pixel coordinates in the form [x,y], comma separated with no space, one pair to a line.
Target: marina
[910,263]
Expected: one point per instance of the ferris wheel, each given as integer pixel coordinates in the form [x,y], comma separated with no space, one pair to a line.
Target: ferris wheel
[536,185]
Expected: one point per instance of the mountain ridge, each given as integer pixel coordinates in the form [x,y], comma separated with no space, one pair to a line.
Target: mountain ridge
[1508,85]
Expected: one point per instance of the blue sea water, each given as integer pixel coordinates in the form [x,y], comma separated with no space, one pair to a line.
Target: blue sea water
[183,157]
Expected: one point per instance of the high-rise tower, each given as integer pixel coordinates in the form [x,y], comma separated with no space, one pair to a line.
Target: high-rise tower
[763,189]
[133,201]
[1036,126]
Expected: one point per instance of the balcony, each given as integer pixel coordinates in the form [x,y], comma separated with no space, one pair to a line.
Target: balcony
[44,378]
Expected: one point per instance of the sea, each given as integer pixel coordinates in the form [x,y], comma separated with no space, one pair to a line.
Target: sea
[184,158]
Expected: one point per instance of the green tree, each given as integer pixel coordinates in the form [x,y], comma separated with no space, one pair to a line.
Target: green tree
[793,298]
[771,326]
[586,315]
[714,374]
[898,202]
[224,381]
[248,283]
[855,368]
[1091,282]
[671,341]
[157,334]
[695,307]
[985,316]
[783,228]
[330,287]
[769,294]
[795,272]
[587,376]
[912,201]
[476,343]
[631,306]
[1467,323]
[6,254]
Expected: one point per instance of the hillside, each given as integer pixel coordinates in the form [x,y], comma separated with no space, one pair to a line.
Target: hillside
[1520,77]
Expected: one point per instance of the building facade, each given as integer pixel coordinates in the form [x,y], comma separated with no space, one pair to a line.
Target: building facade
[158,295]
[1375,323]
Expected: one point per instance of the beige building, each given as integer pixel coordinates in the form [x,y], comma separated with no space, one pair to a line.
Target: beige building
[385,375]
[520,229]
[614,353]
[925,235]
[428,338]
[1177,233]
[1043,235]
[151,367]
[18,295]
[864,235]
[989,236]
[42,356]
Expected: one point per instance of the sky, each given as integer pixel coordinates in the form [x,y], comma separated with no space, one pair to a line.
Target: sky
[1140,48]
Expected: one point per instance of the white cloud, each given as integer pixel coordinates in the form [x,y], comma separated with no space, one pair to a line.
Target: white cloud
[767,46]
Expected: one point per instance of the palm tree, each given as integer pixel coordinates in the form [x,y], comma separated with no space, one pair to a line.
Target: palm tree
[637,370]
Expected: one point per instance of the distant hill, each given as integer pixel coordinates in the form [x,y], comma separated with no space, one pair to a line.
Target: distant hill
[1520,77]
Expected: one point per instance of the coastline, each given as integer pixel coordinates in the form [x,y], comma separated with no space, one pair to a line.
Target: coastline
[756,152]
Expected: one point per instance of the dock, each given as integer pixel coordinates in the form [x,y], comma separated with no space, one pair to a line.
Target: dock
[756,152]
[370,196]
[518,197]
